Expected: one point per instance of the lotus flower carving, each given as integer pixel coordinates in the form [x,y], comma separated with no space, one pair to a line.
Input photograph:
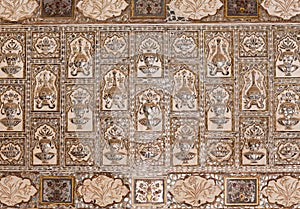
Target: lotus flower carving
[286,9]
[195,9]
[283,191]
[102,190]
[101,9]
[195,191]
[14,190]
[15,10]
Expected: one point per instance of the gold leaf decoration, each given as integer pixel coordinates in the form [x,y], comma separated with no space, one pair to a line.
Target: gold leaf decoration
[195,9]
[102,190]
[283,191]
[101,9]
[195,191]
[14,190]
[286,9]
[15,10]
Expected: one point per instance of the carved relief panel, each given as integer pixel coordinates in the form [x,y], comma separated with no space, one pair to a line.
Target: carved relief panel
[115,141]
[219,53]
[184,44]
[185,88]
[287,54]
[287,151]
[45,88]
[114,44]
[114,88]
[80,51]
[79,151]
[185,141]
[220,151]
[253,43]
[79,108]
[150,152]
[12,109]
[45,141]
[46,45]
[149,50]
[286,108]
[254,87]
[219,107]
[12,55]
[12,151]
[149,109]
[253,141]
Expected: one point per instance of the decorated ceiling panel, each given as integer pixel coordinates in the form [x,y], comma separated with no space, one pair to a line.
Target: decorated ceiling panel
[124,104]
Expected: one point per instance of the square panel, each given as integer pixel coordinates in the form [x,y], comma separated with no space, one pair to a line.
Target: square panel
[114,44]
[253,43]
[12,151]
[149,192]
[148,9]
[57,8]
[243,191]
[79,151]
[287,151]
[46,45]
[220,151]
[57,190]
[240,8]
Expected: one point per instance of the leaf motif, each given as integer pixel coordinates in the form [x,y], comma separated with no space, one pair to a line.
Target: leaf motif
[283,191]
[286,9]
[15,10]
[15,190]
[195,191]
[195,9]
[101,10]
[102,190]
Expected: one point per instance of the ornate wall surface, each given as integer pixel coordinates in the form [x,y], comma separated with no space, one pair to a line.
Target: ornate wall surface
[123,104]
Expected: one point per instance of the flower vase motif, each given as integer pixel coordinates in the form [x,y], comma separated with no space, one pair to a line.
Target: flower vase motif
[185,93]
[46,45]
[219,61]
[12,64]
[45,149]
[115,91]
[149,113]
[149,61]
[220,152]
[80,111]
[116,146]
[80,60]
[288,152]
[11,111]
[287,111]
[45,91]
[254,151]
[287,62]
[80,152]
[184,149]
[150,153]
[219,113]
[254,91]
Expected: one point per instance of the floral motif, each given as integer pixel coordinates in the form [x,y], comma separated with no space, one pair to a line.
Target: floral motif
[14,190]
[195,9]
[102,190]
[149,191]
[286,9]
[101,10]
[15,10]
[195,191]
[284,191]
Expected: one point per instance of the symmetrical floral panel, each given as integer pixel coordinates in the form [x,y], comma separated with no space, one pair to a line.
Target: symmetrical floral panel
[129,104]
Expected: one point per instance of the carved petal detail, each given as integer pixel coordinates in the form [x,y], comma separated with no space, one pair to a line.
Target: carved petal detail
[15,10]
[14,190]
[195,9]
[103,190]
[286,9]
[195,191]
[101,10]
[284,191]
